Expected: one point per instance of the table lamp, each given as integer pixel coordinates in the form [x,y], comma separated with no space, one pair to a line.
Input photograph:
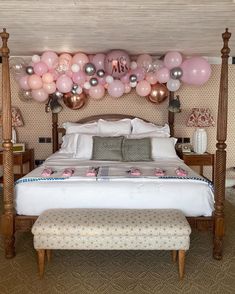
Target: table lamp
[16,120]
[200,118]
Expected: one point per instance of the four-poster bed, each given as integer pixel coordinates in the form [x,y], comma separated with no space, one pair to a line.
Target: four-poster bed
[10,222]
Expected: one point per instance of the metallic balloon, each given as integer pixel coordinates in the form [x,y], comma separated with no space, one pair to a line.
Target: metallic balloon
[29,70]
[100,73]
[25,96]
[75,86]
[133,78]
[158,93]
[94,82]
[176,73]
[174,105]
[89,69]
[74,101]
[55,106]
[58,94]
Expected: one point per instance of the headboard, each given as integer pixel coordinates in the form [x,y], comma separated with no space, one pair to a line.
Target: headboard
[57,132]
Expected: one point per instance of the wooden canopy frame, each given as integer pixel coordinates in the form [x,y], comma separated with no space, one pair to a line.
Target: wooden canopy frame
[9,218]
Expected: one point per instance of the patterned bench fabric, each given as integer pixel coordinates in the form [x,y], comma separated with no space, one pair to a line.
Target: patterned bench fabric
[163,229]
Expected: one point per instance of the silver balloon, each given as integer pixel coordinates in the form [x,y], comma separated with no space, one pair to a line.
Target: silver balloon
[89,69]
[29,70]
[133,78]
[73,91]
[55,106]
[58,94]
[94,82]
[100,73]
[25,96]
[176,73]
[75,86]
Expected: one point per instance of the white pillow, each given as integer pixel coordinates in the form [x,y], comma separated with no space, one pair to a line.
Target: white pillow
[148,135]
[69,143]
[114,128]
[90,128]
[84,147]
[163,148]
[140,126]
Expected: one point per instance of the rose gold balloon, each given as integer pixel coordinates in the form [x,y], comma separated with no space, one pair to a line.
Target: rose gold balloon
[158,93]
[74,101]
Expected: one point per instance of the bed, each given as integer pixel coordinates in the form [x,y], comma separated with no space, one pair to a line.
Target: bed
[209,215]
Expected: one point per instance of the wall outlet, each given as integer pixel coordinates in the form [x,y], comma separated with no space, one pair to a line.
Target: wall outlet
[41,140]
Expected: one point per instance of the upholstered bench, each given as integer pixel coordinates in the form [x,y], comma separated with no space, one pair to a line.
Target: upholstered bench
[112,229]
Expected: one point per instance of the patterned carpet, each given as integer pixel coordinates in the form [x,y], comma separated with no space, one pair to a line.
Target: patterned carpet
[118,272]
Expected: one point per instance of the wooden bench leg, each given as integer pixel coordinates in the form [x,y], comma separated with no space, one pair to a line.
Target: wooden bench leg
[48,253]
[181,263]
[174,255]
[41,261]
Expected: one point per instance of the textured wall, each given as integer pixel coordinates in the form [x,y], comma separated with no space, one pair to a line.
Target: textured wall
[38,123]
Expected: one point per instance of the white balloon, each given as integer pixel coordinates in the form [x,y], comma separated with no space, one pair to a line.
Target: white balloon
[36,58]
[173,85]
[133,84]
[75,67]
[79,90]
[87,85]
[109,79]
[133,65]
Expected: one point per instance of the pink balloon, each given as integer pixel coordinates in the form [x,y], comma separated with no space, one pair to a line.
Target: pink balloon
[54,73]
[117,63]
[143,88]
[102,80]
[67,57]
[196,71]
[40,95]
[49,87]
[98,61]
[64,84]
[127,88]
[151,78]
[116,89]
[79,77]
[50,58]
[34,82]
[126,78]
[172,59]
[91,56]
[139,72]
[23,82]
[47,78]
[144,61]
[40,68]
[69,73]
[163,75]
[81,59]
[97,92]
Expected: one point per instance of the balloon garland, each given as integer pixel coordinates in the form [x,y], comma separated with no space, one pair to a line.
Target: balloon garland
[73,78]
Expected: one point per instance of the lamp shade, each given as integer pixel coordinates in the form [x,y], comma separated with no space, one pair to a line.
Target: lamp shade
[16,121]
[16,117]
[200,117]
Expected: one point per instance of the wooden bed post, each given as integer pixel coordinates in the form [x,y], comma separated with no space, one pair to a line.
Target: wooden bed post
[55,132]
[171,116]
[7,219]
[220,167]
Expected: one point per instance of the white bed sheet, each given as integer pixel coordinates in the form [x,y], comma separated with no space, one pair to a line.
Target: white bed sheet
[193,198]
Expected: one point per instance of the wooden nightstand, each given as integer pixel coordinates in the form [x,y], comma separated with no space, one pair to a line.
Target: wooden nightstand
[19,159]
[194,159]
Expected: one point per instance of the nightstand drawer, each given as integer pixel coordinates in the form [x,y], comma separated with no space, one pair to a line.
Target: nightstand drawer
[199,159]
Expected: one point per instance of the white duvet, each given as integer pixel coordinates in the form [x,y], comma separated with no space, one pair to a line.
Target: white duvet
[34,194]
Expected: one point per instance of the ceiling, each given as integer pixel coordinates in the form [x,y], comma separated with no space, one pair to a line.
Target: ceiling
[138,26]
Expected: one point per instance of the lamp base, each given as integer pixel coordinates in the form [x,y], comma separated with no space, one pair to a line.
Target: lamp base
[13,135]
[200,141]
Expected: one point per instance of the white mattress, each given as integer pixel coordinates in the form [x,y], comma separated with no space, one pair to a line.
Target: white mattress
[192,197]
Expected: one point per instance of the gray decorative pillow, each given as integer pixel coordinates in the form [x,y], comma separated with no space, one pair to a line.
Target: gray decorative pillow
[136,149]
[107,148]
